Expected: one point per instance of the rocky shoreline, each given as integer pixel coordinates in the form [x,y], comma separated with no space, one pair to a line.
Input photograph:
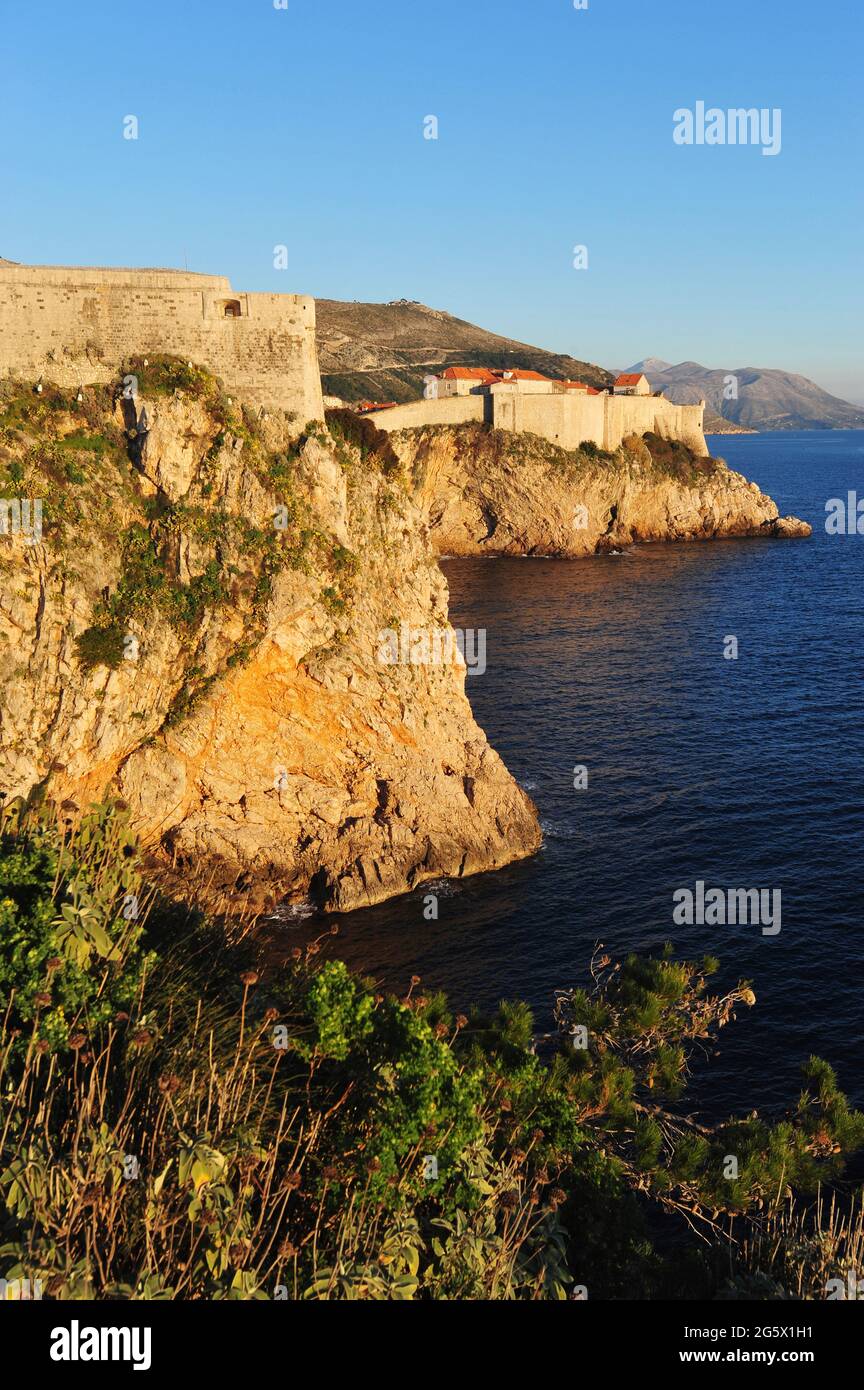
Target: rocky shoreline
[485,493]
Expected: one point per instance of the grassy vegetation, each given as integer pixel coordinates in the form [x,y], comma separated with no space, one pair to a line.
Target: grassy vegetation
[675,459]
[664,457]
[178,1122]
[162,375]
[484,445]
[349,431]
[59,449]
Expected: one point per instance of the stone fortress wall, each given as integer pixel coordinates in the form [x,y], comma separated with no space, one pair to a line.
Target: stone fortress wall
[566,419]
[76,326]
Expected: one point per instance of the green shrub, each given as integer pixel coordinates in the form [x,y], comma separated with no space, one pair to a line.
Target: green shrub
[674,458]
[165,374]
[101,646]
[79,442]
[71,953]
[351,432]
[594,451]
[299,1129]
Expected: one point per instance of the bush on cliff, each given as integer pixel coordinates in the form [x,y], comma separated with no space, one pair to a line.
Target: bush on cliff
[101,646]
[674,458]
[211,1131]
[360,433]
[162,374]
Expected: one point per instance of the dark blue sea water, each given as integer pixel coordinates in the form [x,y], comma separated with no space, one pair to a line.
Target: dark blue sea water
[746,773]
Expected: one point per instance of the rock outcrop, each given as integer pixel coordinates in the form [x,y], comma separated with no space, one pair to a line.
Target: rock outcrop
[787,528]
[264,748]
[490,493]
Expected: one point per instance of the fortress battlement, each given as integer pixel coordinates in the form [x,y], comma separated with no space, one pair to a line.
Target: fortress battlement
[155,277]
[76,325]
[565,418]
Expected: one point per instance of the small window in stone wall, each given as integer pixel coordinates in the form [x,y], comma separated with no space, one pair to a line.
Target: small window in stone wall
[229,309]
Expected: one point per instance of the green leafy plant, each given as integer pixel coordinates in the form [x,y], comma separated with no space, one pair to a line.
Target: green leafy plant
[101,646]
[178,1122]
[71,954]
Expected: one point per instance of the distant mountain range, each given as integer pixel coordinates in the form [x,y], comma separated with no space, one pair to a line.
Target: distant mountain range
[767,399]
[382,352]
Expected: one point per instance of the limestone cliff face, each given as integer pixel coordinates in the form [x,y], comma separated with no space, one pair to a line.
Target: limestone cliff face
[491,493]
[165,641]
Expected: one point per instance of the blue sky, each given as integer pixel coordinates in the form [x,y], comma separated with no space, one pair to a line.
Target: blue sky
[304,127]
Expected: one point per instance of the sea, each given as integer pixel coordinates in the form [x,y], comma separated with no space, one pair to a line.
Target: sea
[737,764]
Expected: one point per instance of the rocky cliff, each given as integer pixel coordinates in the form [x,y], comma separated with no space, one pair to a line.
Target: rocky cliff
[197,630]
[198,627]
[491,493]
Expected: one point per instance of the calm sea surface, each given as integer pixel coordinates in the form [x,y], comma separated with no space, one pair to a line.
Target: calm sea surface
[746,773]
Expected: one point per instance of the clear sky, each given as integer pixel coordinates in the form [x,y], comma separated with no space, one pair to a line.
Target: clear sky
[304,127]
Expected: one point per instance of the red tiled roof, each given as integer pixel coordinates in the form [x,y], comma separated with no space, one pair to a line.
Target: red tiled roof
[630,379]
[488,376]
[517,375]
[467,374]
